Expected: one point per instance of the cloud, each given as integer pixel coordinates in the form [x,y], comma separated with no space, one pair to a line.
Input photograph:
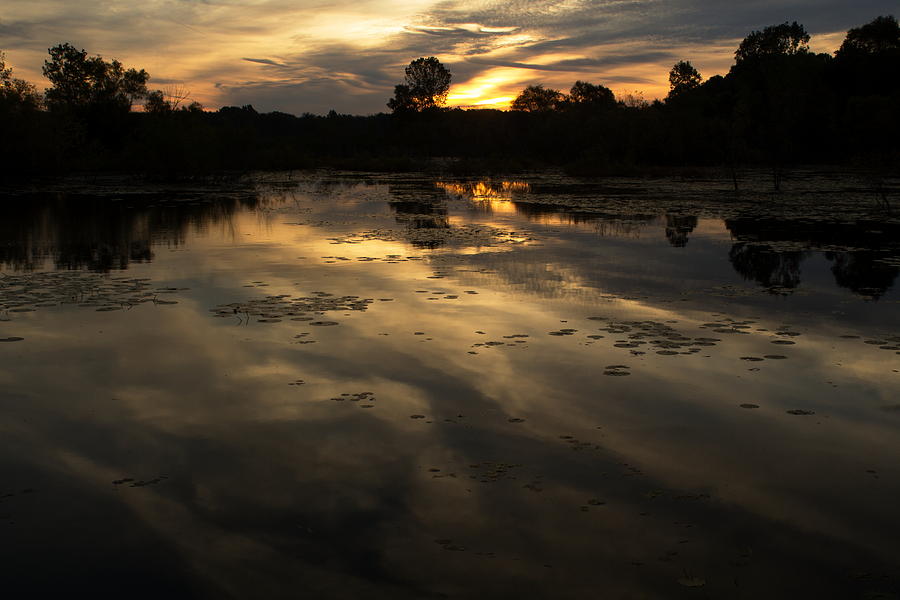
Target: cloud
[264,61]
[292,52]
[582,64]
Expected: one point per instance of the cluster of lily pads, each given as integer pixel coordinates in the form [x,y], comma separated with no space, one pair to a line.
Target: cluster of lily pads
[29,292]
[468,234]
[274,309]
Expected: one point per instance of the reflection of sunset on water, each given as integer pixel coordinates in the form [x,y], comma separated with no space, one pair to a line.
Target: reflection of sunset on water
[485,190]
[480,369]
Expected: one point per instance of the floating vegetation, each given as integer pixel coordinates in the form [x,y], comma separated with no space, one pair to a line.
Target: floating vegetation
[364,398]
[137,483]
[442,234]
[692,582]
[563,332]
[490,471]
[21,294]
[274,309]
[616,371]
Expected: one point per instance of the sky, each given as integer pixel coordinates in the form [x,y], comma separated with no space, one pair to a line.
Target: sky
[300,56]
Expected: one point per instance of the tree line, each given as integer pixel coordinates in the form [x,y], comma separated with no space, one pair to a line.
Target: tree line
[779,104]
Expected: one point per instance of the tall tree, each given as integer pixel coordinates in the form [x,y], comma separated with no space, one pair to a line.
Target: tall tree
[537,98]
[83,82]
[426,85]
[683,77]
[774,40]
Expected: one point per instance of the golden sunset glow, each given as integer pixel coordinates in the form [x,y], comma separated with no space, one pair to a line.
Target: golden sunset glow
[485,190]
[301,57]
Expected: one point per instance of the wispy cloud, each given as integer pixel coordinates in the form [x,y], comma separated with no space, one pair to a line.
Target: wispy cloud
[264,61]
[313,55]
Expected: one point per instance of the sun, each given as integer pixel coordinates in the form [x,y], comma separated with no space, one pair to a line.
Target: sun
[495,88]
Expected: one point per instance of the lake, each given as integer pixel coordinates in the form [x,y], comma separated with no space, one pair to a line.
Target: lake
[388,386]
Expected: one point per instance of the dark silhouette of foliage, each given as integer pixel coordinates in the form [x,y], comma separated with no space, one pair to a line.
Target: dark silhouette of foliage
[402,102]
[682,78]
[16,95]
[775,40]
[426,87]
[537,98]
[157,104]
[592,96]
[79,81]
[881,36]
[779,105]
[867,72]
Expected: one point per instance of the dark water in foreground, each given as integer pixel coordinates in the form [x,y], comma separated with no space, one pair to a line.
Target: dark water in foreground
[384,387]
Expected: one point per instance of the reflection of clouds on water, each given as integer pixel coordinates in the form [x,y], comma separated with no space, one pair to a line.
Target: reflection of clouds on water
[525,455]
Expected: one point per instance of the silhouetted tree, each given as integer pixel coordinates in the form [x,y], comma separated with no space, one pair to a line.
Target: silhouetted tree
[402,102]
[683,77]
[157,104]
[590,95]
[775,40]
[80,82]
[880,36]
[16,95]
[427,84]
[537,98]
[868,62]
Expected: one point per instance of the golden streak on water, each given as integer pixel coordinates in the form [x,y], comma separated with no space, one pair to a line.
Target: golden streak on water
[495,197]
[485,190]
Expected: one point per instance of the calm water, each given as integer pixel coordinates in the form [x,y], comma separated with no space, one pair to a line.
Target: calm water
[393,387]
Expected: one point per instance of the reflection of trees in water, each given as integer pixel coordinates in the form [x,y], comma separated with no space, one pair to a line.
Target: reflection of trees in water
[764,265]
[679,228]
[509,197]
[80,231]
[862,273]
[855,249]
[425,210]
[604,223]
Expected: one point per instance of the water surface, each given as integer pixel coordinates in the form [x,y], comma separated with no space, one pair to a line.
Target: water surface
[399,387]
